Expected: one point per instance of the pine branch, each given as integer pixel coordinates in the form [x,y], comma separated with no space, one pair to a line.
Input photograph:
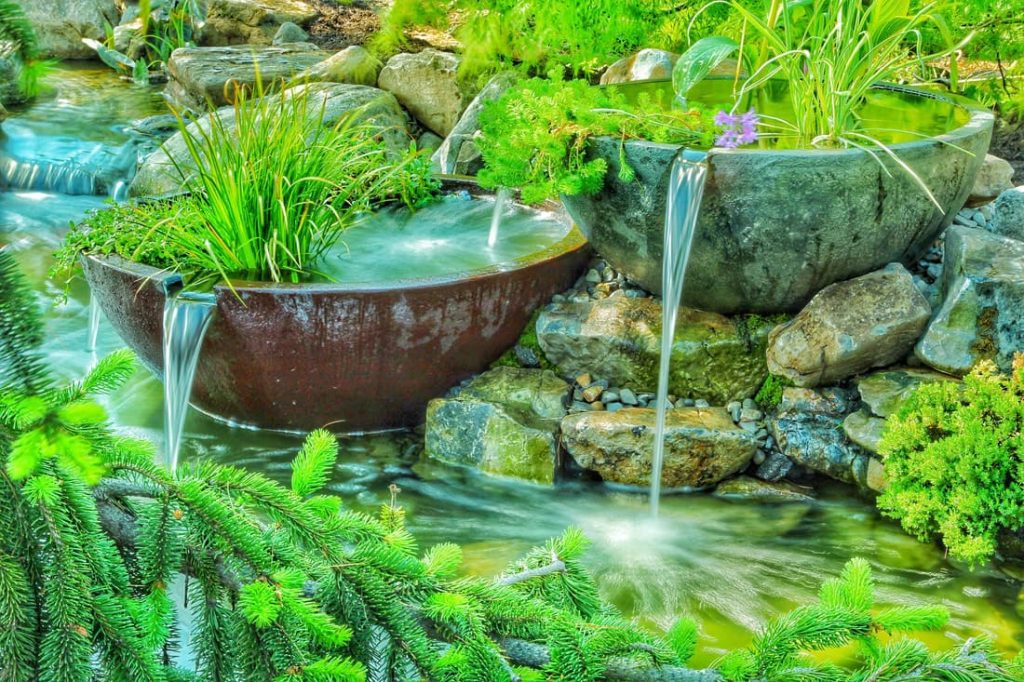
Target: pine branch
[556,566]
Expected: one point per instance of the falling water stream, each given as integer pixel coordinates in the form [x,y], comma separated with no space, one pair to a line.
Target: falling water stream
[95,315]
[682,207]
[500,200]
[187,317]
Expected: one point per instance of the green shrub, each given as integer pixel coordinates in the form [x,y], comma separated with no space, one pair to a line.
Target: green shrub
[954,457]
[534,137]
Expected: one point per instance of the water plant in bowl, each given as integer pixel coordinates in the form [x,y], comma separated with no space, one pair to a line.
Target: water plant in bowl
[344,274]
[848,174]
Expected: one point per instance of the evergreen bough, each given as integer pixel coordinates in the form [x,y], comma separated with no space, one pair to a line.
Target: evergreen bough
[285,584]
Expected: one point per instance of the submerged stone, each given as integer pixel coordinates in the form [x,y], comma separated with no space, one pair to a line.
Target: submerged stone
[619,339]
[427,84]
[886,391]
[850,327]
[747,488]
[702,446]
[982,316]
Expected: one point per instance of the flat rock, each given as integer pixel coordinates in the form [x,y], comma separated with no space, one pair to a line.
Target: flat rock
[748,488]
[204,76]
[60,25]
[533,396]
[159,176]
[644,65]
[702,446]
[426,83]
[864,429]
[459,155]
[1008,214]
[850,327]
[982,315]
[886,391]
[994,177]
[252,22]
[353,65]
[619,339]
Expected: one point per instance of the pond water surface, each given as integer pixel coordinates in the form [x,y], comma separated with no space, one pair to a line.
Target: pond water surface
[729,565]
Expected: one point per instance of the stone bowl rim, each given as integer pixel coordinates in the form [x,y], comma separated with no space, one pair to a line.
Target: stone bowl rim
[573,240]
[980,118]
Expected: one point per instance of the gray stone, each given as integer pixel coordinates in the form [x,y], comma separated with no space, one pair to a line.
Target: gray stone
[808,429]
[426,83]
[713,356]
[864,429]
[251,22]
[886,391]
[994,177]
[783,224]
[60,25]
[290,32]
[850,327]
[775,468]
[158,175]
[459,154]
[1008,214]
[982,316]
[526,357]
[201,76]
[352,65]
[748,488]
[702,446]
[644,65]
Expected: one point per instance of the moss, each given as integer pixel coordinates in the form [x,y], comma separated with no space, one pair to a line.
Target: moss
[770,394]
[528,339]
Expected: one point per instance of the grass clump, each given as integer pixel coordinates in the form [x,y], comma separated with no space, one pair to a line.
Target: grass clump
[954,457]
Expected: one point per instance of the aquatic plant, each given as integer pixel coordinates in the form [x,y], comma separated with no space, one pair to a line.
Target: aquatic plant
[283,583]
[955,462]
[534,137]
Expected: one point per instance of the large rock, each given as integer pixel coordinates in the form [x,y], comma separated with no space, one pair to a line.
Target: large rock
[61,24]
[702,446]
[158,175]
[459,154]
[253,22]
[808,430]
[426,83]
[353,65]
[849,327]
[203,76]
[994,177]
[619,339]
[886,391]
[504,422]
[982,316]
[644,65]
[1008,214]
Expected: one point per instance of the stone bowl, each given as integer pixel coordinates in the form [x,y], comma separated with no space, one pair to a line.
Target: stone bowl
[352,358]
[777,226]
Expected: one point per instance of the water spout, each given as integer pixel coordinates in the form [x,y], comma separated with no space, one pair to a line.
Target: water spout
[685,191]
[500,199]
[94,321]
[187,317]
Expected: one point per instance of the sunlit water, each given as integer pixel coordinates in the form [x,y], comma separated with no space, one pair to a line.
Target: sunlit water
[728,564]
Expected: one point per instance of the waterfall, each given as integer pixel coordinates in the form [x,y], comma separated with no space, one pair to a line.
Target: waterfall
[685,190]
[41,164]
[187,317]
[94,321]
[500,199]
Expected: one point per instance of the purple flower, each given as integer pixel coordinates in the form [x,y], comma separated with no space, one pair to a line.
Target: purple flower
[737,129]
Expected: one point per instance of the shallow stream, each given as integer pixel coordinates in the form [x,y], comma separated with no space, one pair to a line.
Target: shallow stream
[728,564]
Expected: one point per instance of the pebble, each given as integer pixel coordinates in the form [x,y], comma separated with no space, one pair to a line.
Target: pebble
[749,404]
[751,415]
[628,397]
[526,357]
[610,397]
[584,380]
[701,403]
[579,406]
[959,219]
[749,427]
[734,408]
[935,271]
[592,392]
[614,407]
[593,276]
[688,402]
[980,218]
[987,211]
[597,406]
[759,457]
[682,402]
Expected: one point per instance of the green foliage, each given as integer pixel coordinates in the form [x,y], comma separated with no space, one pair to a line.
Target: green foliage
[954,457]
[18,39]
[770,394]
[534,137]
[273,186]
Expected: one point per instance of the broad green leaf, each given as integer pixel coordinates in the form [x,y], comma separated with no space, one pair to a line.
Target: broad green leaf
[699,61]
[111,57]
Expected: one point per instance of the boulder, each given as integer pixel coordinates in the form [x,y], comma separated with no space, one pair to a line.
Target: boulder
[290,33]
[1008,214]
[619,339]
[60,25]
[994,177]
[982,315]
[252,22]
[886,391]
[353,65]
[644,65]
[158,176]
[201,76]
[426,83]
[849,327]
[458,154]
[702,445]
[756,490]
[864,429]
[504,423]
[808,430]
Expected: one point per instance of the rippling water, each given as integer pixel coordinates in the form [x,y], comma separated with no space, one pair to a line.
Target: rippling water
[728,564]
